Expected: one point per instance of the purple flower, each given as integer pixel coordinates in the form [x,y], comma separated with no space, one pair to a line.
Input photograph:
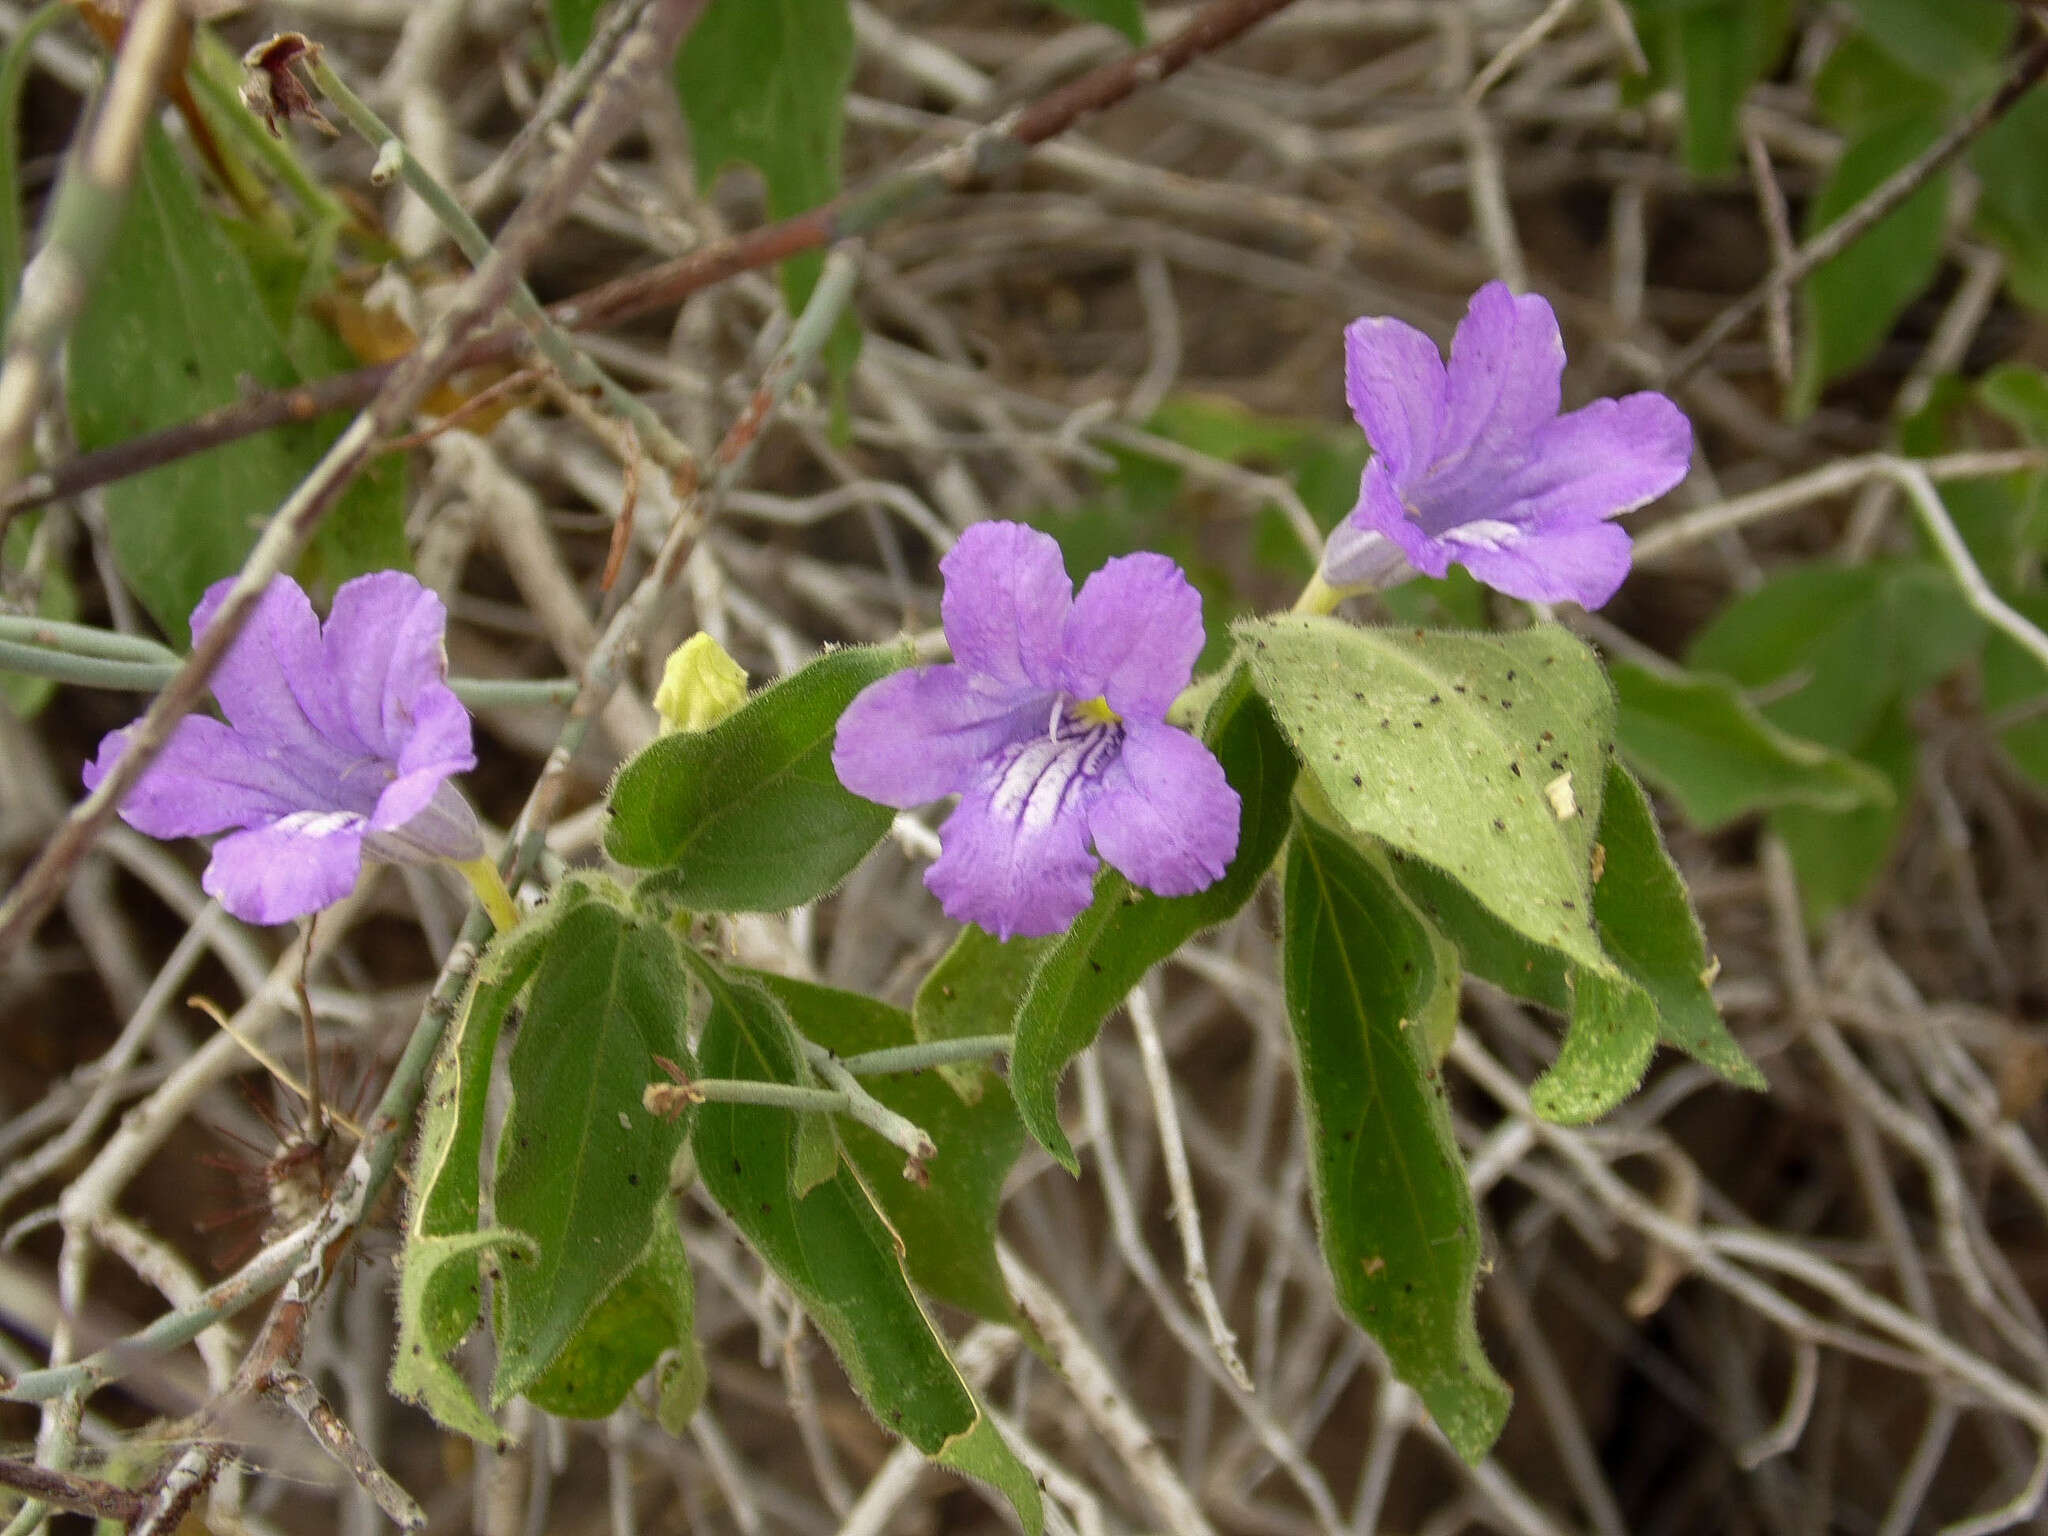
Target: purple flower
[1050,724]
[338,743]
[1473,464]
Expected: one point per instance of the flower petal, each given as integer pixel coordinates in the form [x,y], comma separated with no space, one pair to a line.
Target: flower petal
[289,869]
[410,829]
[385,661]
[1133,636]
[207,779]
[1601,461]
[438,748]
[1007,595]
[915,736]
[1380,511]
[1014,855]
[1507,361]
[1166,816]
[271,683]
[1394,382]
[1583,565]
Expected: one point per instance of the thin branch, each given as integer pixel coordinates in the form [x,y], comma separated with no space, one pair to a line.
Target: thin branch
[1829,480]
[661,287]
[1857,222]
[291,529]
[1187,1218]
[68,1491]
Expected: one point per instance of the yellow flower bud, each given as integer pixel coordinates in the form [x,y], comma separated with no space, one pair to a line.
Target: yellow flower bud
[700,686]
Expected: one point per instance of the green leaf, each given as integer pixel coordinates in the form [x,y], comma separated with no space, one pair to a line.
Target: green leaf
[428,1331]
[1852,302]
[1701,741]
[1958,42]
[1836,646]
[947,1227]
[2013,679]
[1443,745]
[2013,207]
[1127,16]
[1124,933]
[1398,1227]
[1649,927]
[1714,50]
[974,990]
[2019,393]
[439,1292]
[176,325]
[836,1254]
[1861,84]
[582,1165]
[1839,858]
[749,816]
[763,83]
[1656,985]
[570,26]
[649,1313]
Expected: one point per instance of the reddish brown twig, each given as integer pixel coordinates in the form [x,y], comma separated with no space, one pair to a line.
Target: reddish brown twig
[664,286]
[68,1491]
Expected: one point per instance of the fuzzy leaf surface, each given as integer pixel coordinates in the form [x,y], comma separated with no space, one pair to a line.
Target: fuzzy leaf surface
[947,1226]
[1443,746]
[835,1252]
[582,1165]
[749,816]
[1394,1212]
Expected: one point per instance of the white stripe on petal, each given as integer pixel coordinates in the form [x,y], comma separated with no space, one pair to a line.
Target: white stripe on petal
[320,823]
[1484,533]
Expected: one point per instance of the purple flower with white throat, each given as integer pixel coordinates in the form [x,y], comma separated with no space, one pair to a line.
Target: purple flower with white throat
[1472,463]
[338,744]
[1050,724]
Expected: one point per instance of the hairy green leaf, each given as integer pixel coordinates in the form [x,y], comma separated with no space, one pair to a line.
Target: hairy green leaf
[582,1165]
[749,816]
[1957,42]
[947,1225]
[439,1290]
[763,83]
[2013,208]
[836,1254]
[1398,1226]
[1482,754]
[1648,925]
[647,1314]
[974,990]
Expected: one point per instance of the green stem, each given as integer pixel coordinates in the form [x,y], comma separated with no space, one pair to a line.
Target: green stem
[741,1090]
[484,879]
[926,1053]
[14,68]
[1319,596]
[871,1112]
[32,648]
[575,367]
